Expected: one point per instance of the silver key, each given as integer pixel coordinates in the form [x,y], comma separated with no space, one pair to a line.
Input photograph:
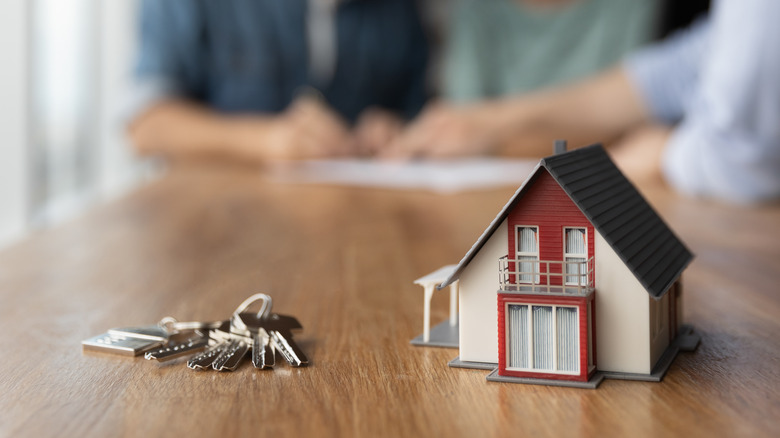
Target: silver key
[182,338]
[235,346]
[176,349]
[204,360]
[131,341]
[263,355]
[155,332]
[230,358]
[119,344]
[279,329]
[217,344]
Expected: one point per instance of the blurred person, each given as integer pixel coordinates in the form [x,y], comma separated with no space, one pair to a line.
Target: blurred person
[502,47]
[275,79]
[701,108]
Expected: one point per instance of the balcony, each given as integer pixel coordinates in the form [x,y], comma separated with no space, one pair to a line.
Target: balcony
[546,276]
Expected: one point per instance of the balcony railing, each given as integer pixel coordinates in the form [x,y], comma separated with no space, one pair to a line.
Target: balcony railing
[546,276]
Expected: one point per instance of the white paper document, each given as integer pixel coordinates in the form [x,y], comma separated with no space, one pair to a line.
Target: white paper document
[442,176]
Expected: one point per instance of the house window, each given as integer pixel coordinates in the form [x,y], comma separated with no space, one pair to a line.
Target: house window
[543,338]
[527,239]
[574,253]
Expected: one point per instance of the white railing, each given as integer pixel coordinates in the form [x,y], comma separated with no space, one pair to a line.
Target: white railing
[551,276]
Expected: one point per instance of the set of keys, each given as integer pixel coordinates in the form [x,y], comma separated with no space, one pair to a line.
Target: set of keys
[219,345]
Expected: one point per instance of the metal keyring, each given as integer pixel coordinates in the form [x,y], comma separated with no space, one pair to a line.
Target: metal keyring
[264,311]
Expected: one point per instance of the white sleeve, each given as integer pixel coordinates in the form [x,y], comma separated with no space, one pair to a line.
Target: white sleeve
[665,73]
[728,145]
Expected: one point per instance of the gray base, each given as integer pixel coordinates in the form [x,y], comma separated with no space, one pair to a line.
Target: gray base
[686,340]
[457,363]
[590,384]
[442,335]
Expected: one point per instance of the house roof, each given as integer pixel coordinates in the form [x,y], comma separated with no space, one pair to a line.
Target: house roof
[617,211]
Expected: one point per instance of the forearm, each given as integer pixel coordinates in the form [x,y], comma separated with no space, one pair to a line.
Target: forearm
[181,128]
[598,109]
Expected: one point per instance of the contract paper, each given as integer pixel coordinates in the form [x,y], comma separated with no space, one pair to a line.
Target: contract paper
[441,176]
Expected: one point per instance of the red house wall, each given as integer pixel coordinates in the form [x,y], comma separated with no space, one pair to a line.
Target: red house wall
[547,206]
[580,302]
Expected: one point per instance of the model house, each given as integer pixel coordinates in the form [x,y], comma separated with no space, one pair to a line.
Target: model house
[576,279]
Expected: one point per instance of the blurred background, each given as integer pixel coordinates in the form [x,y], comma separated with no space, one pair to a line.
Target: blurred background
[66,66]
[66,76]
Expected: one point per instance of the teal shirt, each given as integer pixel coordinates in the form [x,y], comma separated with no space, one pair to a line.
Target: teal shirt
[500,47]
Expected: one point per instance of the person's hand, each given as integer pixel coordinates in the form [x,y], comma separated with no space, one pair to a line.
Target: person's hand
[307,129]
[446,130]
[638,154]
[375,129]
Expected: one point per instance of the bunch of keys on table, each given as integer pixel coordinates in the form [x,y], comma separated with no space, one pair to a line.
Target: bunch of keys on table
[220,345]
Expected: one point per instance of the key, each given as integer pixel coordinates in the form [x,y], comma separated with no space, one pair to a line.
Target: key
[263,355]
[130,341]
[230,358]
[155,332]
[175,349]
[119,344]
[182,338]
[216,343]
[282,338]
[204,360]
[236,347]
[277,327]
[158,332]
[279,330]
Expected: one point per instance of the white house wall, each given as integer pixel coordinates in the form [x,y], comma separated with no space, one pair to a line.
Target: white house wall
[478,301]
[622,315]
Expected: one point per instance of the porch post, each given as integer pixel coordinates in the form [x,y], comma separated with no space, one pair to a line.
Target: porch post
[427,312]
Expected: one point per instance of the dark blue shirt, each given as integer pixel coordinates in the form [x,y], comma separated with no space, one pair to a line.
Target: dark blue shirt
[242,56]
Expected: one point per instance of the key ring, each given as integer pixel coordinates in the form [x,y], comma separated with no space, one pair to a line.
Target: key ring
[265,310]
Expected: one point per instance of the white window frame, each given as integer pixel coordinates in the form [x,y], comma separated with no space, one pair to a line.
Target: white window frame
[530,331]
[518,254]
[582,281]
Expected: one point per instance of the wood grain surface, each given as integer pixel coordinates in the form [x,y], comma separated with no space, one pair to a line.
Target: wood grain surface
[197,242]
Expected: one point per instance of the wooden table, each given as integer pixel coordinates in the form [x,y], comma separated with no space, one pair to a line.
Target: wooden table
[197,242]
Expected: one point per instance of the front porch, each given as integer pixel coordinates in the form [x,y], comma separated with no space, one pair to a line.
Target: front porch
[446,333]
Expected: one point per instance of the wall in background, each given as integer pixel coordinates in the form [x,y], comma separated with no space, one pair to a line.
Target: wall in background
[117,168]
[67,65]
[13,117]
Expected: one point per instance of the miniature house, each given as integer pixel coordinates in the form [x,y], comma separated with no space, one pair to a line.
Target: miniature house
[575,280]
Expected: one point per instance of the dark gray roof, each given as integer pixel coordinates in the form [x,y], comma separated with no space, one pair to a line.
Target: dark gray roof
[618,212]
